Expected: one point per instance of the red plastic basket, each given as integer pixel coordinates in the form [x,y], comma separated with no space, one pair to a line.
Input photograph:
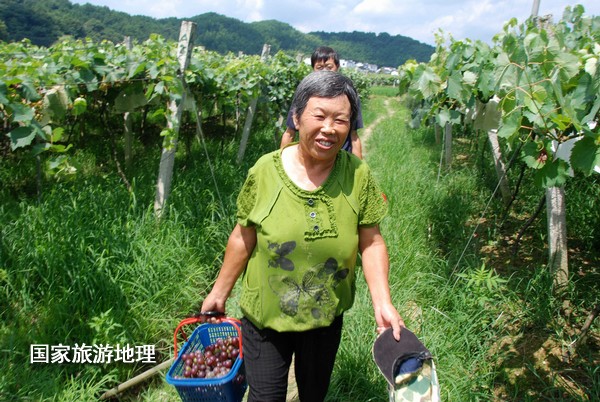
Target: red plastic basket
[229,388]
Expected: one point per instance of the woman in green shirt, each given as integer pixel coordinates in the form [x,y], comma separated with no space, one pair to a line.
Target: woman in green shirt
[304,213]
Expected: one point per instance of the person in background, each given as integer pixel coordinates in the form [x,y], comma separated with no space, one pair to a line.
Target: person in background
[304,213]
[325,58]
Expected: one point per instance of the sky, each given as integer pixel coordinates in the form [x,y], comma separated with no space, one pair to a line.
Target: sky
[416,19]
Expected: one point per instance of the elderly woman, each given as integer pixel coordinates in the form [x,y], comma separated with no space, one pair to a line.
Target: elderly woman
[304,213]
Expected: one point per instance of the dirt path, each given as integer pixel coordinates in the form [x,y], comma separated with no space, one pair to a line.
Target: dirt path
[292,393]
[366,133]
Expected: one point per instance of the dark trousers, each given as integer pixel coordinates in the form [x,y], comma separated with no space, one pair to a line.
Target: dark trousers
[268,355]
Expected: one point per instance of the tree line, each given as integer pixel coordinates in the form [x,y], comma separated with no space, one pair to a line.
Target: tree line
[43,23]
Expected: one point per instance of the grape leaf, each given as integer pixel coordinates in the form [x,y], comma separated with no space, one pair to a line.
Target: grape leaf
[21,113]
[509,125]
[552,174]
[534,155]
[585,156]
[427,82]
[21,137]
[130,99]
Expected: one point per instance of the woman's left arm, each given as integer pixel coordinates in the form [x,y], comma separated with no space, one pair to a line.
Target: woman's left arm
[376,269]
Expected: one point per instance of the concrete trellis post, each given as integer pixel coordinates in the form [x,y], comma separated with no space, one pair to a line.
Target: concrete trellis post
[167,159]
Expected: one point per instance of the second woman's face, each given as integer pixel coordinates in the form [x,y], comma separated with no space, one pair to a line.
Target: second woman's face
[323,126]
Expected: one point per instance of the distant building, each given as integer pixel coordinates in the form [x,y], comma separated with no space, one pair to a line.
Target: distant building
[351,64]
[388,70]
[366,67]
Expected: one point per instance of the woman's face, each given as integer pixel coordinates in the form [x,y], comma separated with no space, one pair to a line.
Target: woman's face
[323,126]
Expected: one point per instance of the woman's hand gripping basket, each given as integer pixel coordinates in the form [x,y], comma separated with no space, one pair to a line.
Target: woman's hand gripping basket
[210,365]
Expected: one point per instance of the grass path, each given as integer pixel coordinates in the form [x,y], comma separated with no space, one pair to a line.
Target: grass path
[368,131]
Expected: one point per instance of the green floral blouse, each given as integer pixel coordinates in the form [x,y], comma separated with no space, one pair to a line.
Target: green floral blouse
[301,274]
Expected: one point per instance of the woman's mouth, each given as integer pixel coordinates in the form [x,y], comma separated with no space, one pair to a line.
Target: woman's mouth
[325,143]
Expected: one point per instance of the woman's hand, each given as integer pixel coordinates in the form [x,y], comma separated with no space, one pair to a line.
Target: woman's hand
[213,302]
[386,317]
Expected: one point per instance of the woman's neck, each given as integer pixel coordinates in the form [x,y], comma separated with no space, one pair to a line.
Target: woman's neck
[304,171]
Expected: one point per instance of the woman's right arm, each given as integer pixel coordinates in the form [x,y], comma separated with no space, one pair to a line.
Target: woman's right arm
[239,248]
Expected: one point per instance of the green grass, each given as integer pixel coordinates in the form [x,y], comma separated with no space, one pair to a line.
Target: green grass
[90,264]
[388,91]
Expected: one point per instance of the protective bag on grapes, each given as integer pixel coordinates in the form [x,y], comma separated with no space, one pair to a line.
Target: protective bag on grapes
[210,365]
[408,367]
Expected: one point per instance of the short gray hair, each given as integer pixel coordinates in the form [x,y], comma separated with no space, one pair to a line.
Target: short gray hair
[325,84]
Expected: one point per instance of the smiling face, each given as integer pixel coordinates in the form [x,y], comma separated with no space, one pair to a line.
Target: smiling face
[323,127]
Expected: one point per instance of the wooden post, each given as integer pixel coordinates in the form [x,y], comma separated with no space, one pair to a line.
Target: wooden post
[167,159]
[278,130]
[557,237]
[137,379]
[128,131]
[448,145]
[250,114]
[487,118]
[558,260]
[436,128]
[535,9]
[500,167]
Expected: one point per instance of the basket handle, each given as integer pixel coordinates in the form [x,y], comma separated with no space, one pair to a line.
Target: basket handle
[185,321]
[196,319]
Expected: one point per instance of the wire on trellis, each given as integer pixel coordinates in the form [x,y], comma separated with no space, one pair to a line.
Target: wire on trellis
[200,135]
[483,214]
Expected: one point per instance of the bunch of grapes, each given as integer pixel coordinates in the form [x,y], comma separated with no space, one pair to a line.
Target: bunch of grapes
[214,362]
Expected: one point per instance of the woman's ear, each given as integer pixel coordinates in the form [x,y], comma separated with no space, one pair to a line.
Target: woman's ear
[296,120]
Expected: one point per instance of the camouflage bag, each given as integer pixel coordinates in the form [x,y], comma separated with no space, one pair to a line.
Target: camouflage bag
[408,367]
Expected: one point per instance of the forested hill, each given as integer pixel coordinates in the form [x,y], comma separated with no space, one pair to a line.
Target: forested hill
[43,22]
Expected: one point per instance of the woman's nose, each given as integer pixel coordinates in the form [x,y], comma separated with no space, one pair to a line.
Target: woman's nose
[328,127]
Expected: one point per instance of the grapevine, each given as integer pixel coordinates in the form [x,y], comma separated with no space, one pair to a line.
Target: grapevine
[47,94]
[547,79]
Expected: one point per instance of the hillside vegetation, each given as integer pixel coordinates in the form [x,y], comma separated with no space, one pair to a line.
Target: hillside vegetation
[43,22]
